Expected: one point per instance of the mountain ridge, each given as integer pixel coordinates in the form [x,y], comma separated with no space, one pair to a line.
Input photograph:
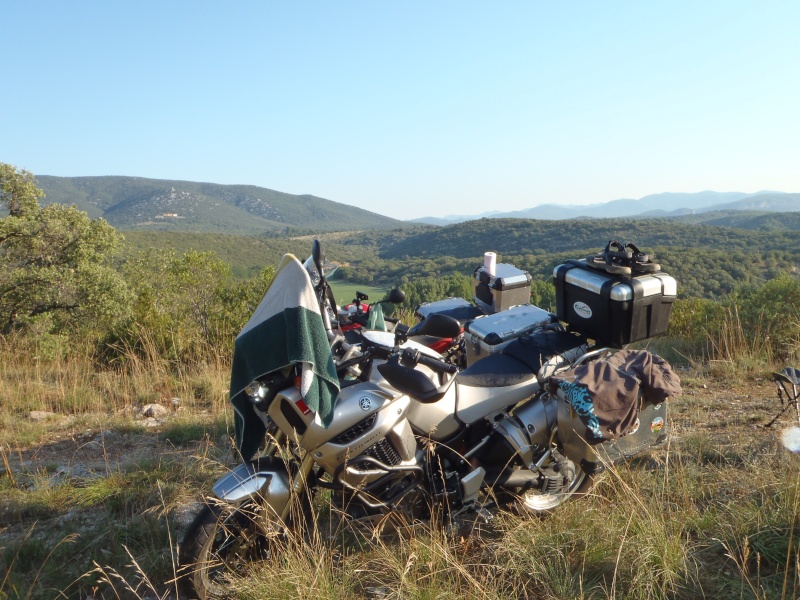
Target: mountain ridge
[139,203]
[144,204]
[666,204]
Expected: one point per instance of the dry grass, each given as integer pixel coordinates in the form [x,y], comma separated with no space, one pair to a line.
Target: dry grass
[95,479]
[734,348]
[76,392]
[94,498]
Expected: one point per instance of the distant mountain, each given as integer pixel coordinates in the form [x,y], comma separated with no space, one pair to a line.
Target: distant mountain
[136,203]
[766,201]
[666,205]
[440,221]
[745,219]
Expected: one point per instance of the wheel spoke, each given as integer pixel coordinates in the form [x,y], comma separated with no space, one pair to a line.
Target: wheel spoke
[230,541]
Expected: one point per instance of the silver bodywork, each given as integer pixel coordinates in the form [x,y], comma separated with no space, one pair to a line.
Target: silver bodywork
[266,478]
[463,405]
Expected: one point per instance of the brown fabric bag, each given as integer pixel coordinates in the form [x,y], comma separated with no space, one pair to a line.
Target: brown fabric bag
[656,377]
[605,392]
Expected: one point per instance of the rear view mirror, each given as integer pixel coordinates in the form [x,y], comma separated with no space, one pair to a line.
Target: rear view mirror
[318,256]
[397,296]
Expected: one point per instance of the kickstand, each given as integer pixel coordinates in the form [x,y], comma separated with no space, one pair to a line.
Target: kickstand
[786,379]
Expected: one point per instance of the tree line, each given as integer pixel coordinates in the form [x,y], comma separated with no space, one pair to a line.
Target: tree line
[61,290]
[69,282]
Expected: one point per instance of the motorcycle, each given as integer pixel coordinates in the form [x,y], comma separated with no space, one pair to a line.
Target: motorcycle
[409,437]
[345,326]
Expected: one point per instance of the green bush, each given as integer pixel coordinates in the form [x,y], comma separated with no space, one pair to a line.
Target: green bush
[430,289]
[774,310]
[188,308]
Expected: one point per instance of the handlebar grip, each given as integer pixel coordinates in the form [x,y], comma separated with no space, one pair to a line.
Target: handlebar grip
[414,357]
[438,365]
[361,319]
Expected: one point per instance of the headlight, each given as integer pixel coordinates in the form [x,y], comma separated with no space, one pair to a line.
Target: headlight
[256,390]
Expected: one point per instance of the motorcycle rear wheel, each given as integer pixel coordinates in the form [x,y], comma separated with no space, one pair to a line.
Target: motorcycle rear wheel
[537,501]
[221,544]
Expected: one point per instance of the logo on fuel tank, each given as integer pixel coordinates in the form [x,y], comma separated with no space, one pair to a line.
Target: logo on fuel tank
[582,310]
[365,402]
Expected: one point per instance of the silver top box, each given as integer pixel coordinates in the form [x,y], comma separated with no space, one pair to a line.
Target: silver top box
[657,283]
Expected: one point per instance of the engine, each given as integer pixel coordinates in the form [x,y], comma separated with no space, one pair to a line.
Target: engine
[522,435]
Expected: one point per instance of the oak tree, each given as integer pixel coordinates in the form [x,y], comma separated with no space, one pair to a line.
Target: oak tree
[55,263]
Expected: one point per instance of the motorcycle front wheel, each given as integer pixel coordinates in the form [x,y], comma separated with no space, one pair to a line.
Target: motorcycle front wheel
[222,543]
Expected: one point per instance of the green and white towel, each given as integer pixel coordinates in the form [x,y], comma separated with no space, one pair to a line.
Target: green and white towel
[286,329]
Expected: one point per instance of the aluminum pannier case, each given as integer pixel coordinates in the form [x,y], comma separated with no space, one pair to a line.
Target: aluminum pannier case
[490,334]
[509,286]
[650,431]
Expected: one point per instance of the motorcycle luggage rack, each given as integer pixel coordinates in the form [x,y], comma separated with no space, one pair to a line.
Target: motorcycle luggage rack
[590,355]
[788,382]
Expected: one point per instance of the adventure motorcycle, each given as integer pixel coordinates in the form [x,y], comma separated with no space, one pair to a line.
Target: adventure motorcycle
[411,436]
[358,316]
[345,325]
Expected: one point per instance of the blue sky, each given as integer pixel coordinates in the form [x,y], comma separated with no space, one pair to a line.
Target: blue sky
[409,109]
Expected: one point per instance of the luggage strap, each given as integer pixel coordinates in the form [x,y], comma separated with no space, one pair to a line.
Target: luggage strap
[623,259]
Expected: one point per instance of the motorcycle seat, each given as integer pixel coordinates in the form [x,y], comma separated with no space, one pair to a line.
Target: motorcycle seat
[518,361]
[496,370]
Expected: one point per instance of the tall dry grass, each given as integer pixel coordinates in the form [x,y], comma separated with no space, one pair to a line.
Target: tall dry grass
[714,514]
[77,387]
[735,346]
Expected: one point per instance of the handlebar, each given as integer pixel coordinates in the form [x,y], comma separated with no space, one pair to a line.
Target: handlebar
[360,319]
[410,357]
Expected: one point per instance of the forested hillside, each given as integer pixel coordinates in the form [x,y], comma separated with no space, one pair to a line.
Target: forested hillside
[708,261]
[527,236]
[746,219]
[137,203]
[249,254]
[246,255]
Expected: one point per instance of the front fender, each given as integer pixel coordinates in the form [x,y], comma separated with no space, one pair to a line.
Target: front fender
[267,478]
